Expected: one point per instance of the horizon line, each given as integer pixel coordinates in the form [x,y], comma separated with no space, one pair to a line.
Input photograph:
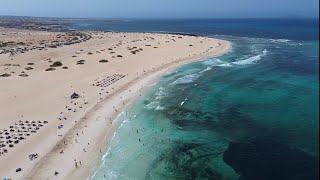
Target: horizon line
[142,18]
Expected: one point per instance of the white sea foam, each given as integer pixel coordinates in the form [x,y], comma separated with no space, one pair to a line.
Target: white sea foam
[160,93]
[152,84]
[246,61]
[220,63]
[152,105]
[85,24]
[125,121]
[160,108]
[186,79]
[103,159]
[225,65]
[280,40]
[181,104]
[207,69]
[252,59]
[155,105]
[212,62]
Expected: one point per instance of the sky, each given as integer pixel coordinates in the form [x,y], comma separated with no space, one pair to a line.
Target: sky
[161,8]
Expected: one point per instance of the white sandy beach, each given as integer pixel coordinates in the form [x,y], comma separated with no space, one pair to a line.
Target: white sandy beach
[134,61]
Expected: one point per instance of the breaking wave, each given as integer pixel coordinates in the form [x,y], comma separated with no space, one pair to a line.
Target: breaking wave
[160,93]
[207,69]
[182,103]
[280,40]
[212,62]
[186,79]
[225,65]
[252,59]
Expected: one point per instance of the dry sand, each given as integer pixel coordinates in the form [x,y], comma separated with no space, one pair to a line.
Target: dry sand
[104,89]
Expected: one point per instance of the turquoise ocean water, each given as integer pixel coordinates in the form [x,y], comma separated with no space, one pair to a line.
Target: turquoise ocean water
[182,127]
[251,114]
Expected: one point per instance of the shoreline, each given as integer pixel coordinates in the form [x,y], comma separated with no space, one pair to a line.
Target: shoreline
[148,80]
[96,121]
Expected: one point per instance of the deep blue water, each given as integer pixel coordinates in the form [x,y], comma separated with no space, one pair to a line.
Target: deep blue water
[251,114]
[297,29]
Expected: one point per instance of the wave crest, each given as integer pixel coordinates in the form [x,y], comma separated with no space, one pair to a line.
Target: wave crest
[186,79]
[252,59]
[212,62]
